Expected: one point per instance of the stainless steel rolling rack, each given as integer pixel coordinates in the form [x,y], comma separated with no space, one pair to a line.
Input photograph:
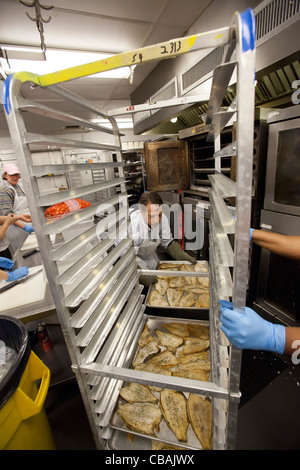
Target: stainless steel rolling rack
[103,315]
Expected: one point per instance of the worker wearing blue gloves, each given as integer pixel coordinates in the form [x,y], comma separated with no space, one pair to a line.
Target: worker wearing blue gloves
[28,228]
[5,262]
[8,264]
[246,329]
[12,196]
[5,222]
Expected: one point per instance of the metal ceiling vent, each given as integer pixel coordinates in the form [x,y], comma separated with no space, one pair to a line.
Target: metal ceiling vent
[270,16]
[167,92]
[195,75]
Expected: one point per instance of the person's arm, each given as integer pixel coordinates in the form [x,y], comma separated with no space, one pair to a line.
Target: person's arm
[172,246]
[3,219]
[5,222]
[283,245]
[175,250]
[3,275]
[247,330]
[292,339]
[13,275]
[23,221]
[25,217]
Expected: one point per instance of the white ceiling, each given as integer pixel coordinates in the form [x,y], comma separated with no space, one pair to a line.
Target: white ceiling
[111,26]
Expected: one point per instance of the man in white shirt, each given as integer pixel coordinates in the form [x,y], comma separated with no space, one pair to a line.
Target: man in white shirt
[149,229]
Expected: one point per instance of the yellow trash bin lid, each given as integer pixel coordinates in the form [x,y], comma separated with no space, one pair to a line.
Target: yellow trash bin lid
[24,383]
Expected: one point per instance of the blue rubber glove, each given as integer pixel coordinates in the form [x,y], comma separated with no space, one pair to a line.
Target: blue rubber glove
[28,228]
[247,330]
[17,274]
[6,263]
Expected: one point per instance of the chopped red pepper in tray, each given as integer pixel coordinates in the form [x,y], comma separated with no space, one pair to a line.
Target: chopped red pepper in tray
[71,205]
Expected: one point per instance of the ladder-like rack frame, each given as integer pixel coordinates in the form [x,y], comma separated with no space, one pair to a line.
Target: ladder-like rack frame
[103,316]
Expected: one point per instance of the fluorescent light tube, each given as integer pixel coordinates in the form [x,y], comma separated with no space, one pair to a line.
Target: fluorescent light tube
[59,60]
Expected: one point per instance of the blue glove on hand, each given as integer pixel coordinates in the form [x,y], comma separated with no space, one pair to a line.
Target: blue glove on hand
[251,230]
[6,263]
[17,274]
[247,330]
[28,228]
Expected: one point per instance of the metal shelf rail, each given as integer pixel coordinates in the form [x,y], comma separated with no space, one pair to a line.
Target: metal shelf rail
[229,264]
[102,312]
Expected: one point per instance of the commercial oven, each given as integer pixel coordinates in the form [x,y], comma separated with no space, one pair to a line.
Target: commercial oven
[198,204]
[283,164]
[278,277]
[167,165]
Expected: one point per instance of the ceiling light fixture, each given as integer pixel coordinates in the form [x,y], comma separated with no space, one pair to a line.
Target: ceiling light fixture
[57,60]
[123,123]
[18,52]
[173,120]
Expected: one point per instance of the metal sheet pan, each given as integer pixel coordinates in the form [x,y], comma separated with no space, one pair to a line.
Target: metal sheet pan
[141,441]
[165,271]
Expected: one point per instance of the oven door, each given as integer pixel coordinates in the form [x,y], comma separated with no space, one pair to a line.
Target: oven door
[167,165]
[279,278]
[283,168]
[196,227]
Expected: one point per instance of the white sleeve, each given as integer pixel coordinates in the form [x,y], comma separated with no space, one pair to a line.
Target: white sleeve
[136,230]
[165,232]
